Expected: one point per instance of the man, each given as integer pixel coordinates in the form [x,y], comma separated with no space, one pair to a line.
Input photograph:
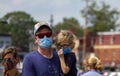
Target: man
[43,61]
[10,61]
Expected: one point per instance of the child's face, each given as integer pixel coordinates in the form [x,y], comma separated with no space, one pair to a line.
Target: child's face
[65,45]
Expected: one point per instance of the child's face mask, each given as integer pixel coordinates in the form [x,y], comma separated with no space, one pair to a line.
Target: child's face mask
[66,50]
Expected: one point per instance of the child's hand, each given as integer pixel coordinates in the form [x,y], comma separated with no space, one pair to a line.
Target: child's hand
[60,52]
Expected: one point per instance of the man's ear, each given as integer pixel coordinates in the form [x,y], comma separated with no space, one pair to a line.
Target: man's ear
[35,38]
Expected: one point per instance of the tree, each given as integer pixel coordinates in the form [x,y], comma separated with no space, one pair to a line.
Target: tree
[19,23]
[69,24]
[4,29]
[101,18]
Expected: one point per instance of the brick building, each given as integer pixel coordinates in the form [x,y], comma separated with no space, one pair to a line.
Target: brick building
[107,48]
[88,45]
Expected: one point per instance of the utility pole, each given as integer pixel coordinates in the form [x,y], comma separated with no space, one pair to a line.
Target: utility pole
[85,31]
[51,20]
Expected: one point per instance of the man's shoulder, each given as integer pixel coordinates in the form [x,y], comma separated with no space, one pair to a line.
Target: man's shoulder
[31,54]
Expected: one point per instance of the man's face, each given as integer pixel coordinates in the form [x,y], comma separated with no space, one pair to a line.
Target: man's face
[41,33]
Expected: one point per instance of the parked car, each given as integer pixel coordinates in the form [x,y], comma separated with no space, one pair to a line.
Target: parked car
[114,74]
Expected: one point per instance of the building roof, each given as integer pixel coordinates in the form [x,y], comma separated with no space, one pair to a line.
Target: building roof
[108,33]
[5,35]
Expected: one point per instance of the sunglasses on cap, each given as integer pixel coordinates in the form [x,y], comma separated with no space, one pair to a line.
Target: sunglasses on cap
[41,35]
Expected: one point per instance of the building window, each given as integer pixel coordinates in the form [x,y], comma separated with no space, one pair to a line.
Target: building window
[1,43]
[92,42]
[112,40]
[100,40]
[7,42]
[114,55]
[98,53]
[106,54]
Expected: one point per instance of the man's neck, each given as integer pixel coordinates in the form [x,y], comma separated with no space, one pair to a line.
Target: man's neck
[47,53]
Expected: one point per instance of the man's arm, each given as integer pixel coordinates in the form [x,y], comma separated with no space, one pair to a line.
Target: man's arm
[27,69]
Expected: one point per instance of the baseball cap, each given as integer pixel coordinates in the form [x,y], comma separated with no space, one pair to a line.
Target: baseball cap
[41,24]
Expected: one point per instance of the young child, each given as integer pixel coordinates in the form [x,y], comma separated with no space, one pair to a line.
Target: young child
[66,43]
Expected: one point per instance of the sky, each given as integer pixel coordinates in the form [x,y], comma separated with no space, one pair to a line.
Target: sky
[41,10]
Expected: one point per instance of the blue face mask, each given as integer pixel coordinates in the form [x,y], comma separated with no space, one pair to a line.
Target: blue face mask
[66,50]
[45,42]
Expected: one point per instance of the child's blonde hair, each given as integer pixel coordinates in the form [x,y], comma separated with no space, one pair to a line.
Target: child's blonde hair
[67,37]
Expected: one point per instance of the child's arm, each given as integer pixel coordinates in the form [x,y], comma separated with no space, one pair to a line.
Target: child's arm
[64,67]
